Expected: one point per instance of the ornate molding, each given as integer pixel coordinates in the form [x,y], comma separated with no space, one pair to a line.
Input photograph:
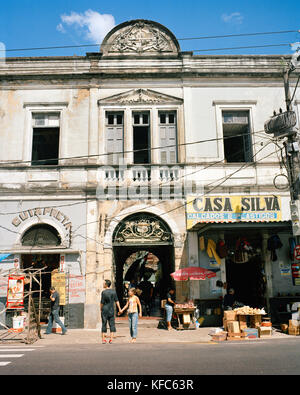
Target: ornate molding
[140,96]
[143,230]
[139,37]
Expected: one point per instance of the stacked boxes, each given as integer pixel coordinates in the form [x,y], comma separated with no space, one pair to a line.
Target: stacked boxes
[243,321]
[229,316]
[255,321]
[294,327]
[233,327]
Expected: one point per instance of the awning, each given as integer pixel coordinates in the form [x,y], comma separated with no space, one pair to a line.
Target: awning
[4,256]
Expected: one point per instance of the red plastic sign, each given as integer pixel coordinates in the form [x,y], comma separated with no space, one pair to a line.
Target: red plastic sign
[297,253]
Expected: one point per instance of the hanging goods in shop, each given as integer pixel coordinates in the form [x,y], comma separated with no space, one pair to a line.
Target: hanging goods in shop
[274,243]
[202,243]
[222,250]
[292,244]
[211,251]
[242,250]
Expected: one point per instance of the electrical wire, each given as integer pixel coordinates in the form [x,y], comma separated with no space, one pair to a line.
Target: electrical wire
[161,184]
[162,201]
[186,203]
[178,39]
[2,164]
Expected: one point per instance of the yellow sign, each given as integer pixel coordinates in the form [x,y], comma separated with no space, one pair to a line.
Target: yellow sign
[235,209]
[58,281]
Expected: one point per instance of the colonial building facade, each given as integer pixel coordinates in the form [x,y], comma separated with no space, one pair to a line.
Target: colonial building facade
[133,150]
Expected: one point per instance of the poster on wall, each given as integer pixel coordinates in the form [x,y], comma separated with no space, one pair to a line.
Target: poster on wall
[76,289]
[15,292]
[296,273]
[58,281]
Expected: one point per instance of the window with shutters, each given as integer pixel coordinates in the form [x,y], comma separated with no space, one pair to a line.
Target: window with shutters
[168,137]
[45,139]
[237,136]
[141,137]
[114,136]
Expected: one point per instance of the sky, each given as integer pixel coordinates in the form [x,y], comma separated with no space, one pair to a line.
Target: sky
[43,23]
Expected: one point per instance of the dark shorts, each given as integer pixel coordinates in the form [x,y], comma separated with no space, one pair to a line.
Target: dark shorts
[111,321]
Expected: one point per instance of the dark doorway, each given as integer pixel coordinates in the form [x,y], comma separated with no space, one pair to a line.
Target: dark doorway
[141,144]
[244,272]
[135,274]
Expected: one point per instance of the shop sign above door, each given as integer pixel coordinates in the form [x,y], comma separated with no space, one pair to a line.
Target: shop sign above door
[233,209]
[40,212]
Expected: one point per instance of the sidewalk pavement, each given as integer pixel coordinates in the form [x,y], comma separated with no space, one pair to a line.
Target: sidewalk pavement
[147,333]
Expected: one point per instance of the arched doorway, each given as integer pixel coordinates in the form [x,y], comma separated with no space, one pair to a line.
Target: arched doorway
[137,238]
[37,239]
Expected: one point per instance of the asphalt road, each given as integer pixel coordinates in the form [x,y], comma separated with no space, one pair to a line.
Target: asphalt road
[280,357]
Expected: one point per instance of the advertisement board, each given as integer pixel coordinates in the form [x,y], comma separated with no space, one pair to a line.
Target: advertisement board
[15,292]
[233,209]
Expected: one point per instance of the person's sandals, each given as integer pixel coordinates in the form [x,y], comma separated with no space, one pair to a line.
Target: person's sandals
[104,341]
[110,341]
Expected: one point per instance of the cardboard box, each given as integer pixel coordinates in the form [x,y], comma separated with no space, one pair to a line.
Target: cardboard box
[225,323]
[243,321]
[255,321]
[251,333]
[294,331]
[265,331]
[230,315]
[219,337]
[294,324]
[233,327]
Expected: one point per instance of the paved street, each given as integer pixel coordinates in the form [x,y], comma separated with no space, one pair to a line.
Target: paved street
[262,357]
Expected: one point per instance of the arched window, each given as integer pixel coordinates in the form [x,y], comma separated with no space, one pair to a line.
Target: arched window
[41,235]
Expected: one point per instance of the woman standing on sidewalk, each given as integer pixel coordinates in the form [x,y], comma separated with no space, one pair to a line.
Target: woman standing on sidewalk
[134,311]
[169,307]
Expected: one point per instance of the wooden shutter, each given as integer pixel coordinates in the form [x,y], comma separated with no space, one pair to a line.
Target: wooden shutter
[114,142]
[168,143]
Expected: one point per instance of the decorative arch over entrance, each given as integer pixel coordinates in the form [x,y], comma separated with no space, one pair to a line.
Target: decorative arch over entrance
[143,232]
[145,228]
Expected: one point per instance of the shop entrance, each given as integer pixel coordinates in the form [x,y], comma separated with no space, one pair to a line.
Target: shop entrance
[39,261]
[244,268]
[143,251]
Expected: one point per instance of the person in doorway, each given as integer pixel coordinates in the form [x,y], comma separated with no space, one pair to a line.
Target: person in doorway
[229,300]
[108,299]
[54,312]
[170,303]
[134,312]
[147,293]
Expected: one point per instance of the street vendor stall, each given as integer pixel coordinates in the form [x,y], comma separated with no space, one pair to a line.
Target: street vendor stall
[185,315]
[246,322]
[185,311]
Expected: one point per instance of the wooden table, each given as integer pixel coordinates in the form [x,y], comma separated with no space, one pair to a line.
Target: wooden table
[180,312]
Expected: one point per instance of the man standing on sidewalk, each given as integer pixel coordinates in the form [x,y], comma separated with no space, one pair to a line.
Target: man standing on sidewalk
[108,299]
[54,313]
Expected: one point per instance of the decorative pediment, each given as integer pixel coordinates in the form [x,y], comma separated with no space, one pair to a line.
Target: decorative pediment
[140,96]
[142,229]
[139,37]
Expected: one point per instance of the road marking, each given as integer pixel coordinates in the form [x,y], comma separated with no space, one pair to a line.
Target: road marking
[16,349]
[11,355]
[4,363]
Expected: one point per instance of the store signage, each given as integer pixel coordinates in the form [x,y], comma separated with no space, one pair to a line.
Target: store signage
[15,292]
[233,209]
[46,211]
[297,253]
